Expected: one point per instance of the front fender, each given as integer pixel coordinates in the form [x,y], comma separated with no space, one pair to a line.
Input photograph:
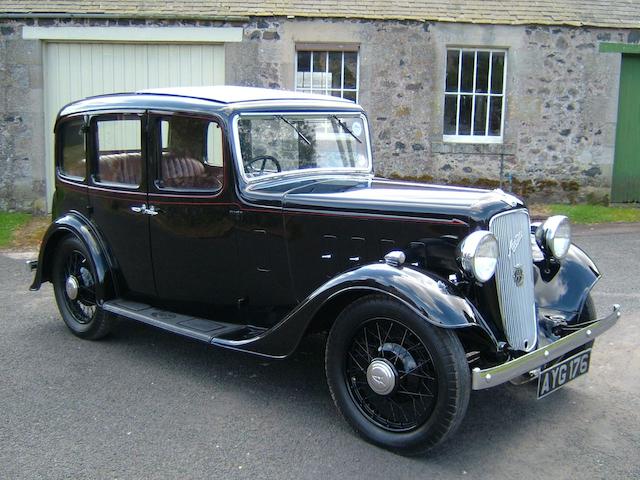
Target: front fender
[77,225]
[429,298]
[564,286]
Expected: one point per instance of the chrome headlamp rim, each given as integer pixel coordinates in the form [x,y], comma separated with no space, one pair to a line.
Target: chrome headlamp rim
[547,234]
[468,254]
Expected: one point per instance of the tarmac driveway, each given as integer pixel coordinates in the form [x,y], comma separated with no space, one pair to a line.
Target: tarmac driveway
[146,404]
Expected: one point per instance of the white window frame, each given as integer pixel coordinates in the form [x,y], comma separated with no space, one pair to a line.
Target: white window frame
[326,49]
[472,138]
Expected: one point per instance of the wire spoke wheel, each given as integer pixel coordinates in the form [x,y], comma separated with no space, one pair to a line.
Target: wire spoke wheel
[390,375]
[401,382]
[77,291]
[79,284]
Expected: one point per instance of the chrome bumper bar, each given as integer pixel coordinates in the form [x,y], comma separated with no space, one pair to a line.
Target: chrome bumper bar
[490,377]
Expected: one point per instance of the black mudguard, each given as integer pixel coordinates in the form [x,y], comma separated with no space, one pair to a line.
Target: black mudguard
[77,225]
[429,298]
[564,286]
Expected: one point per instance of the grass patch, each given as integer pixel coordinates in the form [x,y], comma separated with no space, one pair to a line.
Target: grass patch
[9,223]
[594,213]
[22,231]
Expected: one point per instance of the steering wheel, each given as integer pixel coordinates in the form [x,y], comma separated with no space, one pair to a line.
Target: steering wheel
[250,167]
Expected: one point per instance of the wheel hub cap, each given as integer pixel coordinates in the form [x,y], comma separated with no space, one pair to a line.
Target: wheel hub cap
[71,287]
[381,377]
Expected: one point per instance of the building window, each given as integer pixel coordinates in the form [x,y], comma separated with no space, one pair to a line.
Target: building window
[328,73]
[474,95]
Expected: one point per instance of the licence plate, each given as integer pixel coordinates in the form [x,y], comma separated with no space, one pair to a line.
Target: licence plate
[562,373]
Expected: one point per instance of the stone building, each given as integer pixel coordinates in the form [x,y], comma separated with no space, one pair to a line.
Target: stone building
[465,92]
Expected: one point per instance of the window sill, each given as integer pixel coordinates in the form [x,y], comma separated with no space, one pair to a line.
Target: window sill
[472,148]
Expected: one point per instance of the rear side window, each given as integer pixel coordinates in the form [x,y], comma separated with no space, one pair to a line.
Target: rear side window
[73,154]
[191,154]
[119,140]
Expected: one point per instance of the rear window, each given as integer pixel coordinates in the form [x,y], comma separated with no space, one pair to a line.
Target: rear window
[73,154]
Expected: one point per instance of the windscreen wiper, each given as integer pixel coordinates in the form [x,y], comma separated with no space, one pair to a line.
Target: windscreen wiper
[295,128]
[345,128]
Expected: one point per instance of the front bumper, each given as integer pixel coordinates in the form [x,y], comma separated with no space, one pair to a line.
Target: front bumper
[490,377]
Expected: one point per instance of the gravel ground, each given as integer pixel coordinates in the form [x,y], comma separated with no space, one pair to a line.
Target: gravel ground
[146,404]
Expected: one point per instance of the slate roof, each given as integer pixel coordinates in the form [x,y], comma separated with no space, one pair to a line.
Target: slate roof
[601,13]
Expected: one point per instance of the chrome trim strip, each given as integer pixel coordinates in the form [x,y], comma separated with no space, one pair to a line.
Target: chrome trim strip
[490,377]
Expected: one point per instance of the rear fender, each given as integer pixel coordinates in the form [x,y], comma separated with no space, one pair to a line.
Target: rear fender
[431,299]
[74,224]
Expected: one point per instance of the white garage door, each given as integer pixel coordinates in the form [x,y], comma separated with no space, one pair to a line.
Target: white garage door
[77,70]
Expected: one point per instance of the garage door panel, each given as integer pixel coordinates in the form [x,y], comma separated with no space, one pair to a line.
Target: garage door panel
[78,70]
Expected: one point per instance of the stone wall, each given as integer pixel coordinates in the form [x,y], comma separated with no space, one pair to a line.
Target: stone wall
[561,108]
[560,118]
[22,168]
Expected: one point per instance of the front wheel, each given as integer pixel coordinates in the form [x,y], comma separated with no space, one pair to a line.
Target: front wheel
[399,381]
[74,286]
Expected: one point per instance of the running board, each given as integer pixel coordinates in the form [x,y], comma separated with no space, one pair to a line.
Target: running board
[193,327]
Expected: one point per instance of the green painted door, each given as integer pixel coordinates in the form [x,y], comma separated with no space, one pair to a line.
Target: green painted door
[626,167]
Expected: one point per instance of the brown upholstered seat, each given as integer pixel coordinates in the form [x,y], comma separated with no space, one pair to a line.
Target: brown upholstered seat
[122,168]
[187,173]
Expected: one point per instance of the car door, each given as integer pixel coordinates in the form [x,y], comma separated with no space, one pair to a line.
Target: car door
[118,197]
[192,233]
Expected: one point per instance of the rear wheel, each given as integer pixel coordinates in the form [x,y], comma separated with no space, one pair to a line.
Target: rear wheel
[400,382]
[74,286]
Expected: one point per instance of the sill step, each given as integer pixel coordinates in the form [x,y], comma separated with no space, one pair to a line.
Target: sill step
[200,329]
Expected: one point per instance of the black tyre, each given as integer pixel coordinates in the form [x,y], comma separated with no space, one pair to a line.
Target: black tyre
[400,382]
[74,286]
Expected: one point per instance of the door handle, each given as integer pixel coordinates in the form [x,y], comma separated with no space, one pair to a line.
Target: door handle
[152,210]
[141,209]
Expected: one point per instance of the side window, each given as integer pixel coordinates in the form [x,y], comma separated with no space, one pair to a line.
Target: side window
[119,151]
[191,154]
[72,153]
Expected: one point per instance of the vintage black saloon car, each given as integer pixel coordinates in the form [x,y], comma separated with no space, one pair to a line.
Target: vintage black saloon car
[248,218]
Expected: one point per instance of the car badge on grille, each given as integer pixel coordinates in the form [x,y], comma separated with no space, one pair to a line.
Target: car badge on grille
[514,242]
[518,275]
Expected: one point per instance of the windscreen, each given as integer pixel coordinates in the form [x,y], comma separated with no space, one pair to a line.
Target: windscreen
[274,144]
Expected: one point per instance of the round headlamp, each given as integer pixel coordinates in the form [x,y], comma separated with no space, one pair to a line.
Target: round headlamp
[554,236]
[478,255]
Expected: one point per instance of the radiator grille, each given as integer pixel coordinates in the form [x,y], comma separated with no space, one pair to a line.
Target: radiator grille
[514,278]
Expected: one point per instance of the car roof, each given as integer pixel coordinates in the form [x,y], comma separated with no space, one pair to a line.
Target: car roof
[229,94]
[203,98]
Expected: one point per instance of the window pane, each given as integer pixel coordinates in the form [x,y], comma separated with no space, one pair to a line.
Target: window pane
[214,145]
[119,152]
[349,95]
[192,159]
[453,58]
[480,115]
[466,82]
[303,75]
[495,116]
[497,72]
[350,70]
[335,69]
[73,159]
[450,110]
[319,70]
[304,61]
[482,72]
[464,123]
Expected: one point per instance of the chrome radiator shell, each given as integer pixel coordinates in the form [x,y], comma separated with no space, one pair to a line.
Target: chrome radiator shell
[514,278]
